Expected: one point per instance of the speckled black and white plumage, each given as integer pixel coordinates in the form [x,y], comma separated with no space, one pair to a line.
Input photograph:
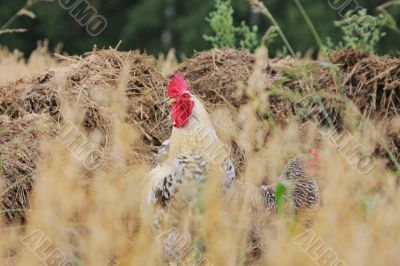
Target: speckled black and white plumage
[185,169]
[185,177]
[303,190]
[268,194]
[164,190]
[295,170]
[193,167]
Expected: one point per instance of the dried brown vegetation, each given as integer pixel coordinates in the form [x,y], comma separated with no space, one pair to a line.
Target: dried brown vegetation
[20,141]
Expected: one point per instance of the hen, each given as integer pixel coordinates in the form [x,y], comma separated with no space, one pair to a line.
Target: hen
[303,192]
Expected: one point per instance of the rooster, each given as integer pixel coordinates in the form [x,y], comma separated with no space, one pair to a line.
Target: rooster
[182,164]
[192,149]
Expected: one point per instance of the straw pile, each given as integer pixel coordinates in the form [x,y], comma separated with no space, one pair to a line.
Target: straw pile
[19,151]
[83,82]
[216,75]
[372,82]
[219,77]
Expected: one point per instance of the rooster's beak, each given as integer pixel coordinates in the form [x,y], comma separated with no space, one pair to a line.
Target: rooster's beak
[172,101]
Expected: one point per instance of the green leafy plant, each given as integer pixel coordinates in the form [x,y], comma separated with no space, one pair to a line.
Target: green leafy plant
[225,33]
[280,197]
[360,31]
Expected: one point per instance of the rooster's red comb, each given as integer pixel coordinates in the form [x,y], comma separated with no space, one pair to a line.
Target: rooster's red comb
[177,85]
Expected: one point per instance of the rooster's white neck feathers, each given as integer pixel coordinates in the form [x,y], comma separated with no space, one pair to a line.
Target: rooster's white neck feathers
[196,134]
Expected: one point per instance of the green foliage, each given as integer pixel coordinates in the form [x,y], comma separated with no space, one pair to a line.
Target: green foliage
[221,22]
[280,196]
[225,33]
[360,31]
[247,36]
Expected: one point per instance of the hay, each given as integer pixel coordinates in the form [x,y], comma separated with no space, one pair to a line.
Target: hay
[371,82]
[19,152]
[215,75]
[83,82]
[30,95]
[219,75]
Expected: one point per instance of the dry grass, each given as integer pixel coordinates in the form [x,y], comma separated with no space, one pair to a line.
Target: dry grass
[94,217]
[13,66]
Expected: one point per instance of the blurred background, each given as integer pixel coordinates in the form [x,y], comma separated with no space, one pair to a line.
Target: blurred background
[157,25]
